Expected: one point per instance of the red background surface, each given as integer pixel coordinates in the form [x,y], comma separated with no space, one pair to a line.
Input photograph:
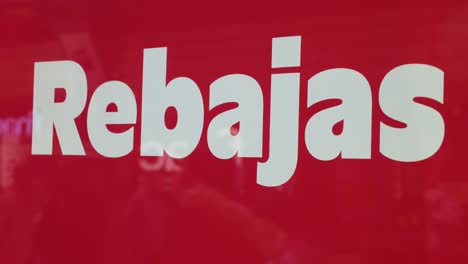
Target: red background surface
[57,209]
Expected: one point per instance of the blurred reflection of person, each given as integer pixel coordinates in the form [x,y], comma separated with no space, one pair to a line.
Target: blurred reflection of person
[21,210]
[172,218]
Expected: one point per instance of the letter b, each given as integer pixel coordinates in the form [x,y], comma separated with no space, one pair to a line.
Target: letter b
[181,93]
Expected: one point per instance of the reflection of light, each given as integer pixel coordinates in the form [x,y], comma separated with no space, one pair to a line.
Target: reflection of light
[12,149]
[12,154]
[164,163]
[16,126]
[237,143]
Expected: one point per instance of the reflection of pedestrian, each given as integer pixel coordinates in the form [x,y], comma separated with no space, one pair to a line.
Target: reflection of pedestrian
[445,219]
[169,221]
[138,232]
[21,209]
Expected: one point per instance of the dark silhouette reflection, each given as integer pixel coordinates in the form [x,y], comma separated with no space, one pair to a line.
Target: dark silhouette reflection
[170,211]
[21,212]
[159,210]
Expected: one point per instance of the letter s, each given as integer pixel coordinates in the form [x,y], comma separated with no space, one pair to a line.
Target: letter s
[424,131]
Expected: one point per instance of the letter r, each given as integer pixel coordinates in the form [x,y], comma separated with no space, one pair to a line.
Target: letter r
[48,114]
